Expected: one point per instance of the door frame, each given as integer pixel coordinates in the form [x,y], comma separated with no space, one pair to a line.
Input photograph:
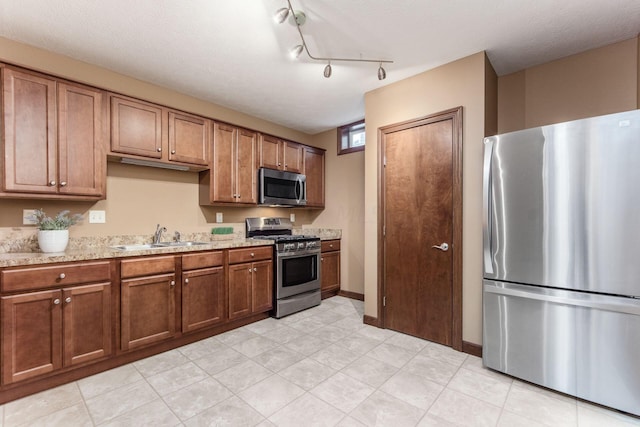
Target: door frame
[454,114]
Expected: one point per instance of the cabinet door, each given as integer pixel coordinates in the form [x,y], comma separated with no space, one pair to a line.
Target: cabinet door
[87,323]
[262,286]
[188,138]
[203,299]
[136,128]
[246,172]
[31,335]
[223,165]
[292,156]
[314,171]
[270,152]
[29,109]
[240,276]
[147,310]
[82,160]
[330,271]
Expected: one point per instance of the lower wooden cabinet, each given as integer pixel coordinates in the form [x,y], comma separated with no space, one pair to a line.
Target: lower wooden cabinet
[330,265]
[147,301]
[250,283]
[47,330]
[203,291]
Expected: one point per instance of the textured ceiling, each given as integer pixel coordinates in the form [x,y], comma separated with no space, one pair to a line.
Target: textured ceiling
[233,54]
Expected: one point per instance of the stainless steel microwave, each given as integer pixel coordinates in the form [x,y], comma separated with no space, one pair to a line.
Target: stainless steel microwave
[281,188]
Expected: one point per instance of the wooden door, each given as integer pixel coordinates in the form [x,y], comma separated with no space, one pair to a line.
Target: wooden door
[87,323]
[262,286]
[421,196]
[223,174]
[136,127]
[314,171]
[240,276]
[81,139]
[246,167]
[203,299]
[270,152]
[147,310]
[188,138]
[292,156]
[330,263]
[29,108]
[31,335]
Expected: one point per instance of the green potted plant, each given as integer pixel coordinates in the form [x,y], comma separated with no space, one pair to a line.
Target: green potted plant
[53,233]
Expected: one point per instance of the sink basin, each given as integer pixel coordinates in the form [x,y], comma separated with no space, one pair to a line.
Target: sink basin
[146,247]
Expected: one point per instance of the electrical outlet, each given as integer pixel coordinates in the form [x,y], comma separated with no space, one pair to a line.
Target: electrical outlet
[26,220]
[97,217]
[219,217]
[292,217]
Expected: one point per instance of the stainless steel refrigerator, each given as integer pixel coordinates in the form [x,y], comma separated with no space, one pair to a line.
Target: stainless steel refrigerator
[561,288]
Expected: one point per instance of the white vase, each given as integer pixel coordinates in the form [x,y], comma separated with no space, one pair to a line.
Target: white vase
[53,240]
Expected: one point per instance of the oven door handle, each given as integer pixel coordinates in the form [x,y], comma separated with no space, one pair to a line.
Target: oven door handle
[297,254]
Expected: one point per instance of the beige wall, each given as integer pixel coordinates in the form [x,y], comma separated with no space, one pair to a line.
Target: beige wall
[137,197]
[599,81]
[344,183]
[459,83]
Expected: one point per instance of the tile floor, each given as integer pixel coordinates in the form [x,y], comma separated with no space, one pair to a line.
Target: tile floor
[320,367]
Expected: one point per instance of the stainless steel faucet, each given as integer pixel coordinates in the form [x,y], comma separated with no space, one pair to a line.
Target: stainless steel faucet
[158,235]
[177,236]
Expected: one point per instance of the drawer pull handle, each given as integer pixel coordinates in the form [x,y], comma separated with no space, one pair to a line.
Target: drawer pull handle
[56,301]
[186,281]
[62,275]
[252,255]
[173,283]
[67,300]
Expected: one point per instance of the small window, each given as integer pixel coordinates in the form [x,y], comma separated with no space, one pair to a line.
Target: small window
[351,137]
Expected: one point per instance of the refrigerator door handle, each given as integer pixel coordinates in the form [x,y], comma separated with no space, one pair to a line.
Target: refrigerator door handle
[599,302]
[486,208]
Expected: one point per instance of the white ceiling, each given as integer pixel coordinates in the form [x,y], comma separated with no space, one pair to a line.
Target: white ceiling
[231,52]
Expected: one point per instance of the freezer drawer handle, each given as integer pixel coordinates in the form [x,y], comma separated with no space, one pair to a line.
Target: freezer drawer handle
[443,247]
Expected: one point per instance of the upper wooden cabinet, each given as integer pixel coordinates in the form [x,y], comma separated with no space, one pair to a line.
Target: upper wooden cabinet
[146,130]
[276,153]
[54,135]
[234,167]
[314,171]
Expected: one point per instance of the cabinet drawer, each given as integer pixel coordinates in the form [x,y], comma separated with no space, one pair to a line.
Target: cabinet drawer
[201,260]
[250,254]
[330,245]
[57,275]
[147,266]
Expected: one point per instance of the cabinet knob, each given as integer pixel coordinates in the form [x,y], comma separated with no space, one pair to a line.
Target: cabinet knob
[56,301]
[52,183]
[67,300]
[63,184]
[238,196]
[186,281]
[279,164]
[249,269]
[252,254]
[173,151]
[62,276]
[321,259]
[255,269]
[159,149]
[172,283]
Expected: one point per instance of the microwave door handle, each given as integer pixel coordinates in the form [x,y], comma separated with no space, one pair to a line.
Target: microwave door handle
[298,190]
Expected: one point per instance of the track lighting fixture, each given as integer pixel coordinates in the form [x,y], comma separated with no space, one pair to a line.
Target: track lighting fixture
[299,18]
[327,70]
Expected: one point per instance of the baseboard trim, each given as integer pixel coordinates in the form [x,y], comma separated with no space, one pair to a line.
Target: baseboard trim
[471,348]
[372,321]
[352,295]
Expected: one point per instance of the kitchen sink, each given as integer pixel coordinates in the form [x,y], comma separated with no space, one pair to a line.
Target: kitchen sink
[145,247]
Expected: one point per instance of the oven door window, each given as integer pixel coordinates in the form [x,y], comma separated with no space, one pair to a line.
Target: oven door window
[299,270]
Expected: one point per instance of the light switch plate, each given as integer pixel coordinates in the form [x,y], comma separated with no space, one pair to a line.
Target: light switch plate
[219,217]
[292,217]
[97,217]
[25,217]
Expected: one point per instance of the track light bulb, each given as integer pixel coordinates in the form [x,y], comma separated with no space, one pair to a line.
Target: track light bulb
[281,15]
[327,70]
[296,51]
[382,74]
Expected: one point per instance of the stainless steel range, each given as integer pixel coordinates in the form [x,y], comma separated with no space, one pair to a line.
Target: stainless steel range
[297,269]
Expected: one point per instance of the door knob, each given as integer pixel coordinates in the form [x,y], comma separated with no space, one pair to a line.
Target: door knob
[443,247]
